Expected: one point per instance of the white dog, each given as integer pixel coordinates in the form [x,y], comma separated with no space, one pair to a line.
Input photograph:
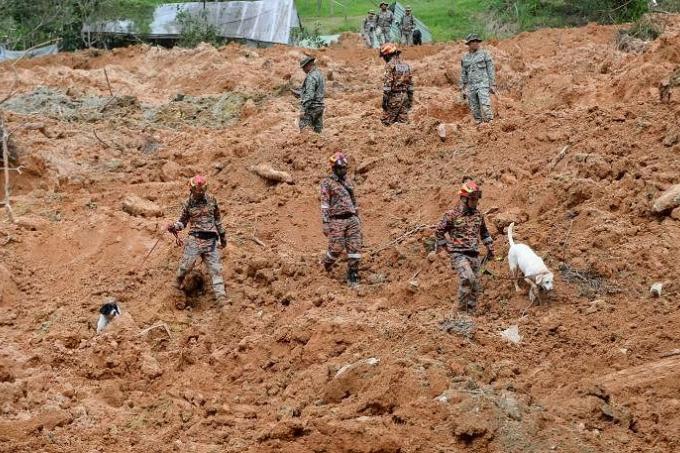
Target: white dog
[107,313]
[536,274]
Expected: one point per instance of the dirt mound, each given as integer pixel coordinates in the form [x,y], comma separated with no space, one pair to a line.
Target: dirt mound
[580,150]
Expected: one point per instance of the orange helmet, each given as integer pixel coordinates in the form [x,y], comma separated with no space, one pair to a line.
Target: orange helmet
[470,189]
[388,49]
[198,182]
[338,158]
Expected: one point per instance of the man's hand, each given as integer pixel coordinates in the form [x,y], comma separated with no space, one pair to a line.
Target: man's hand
[490,253]
[223,240]
[410,100]
[171,228]
[326,229]
[385,101]
[492,90]
[463,96]
[296,92]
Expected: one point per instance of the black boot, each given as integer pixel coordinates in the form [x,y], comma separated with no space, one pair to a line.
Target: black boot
[328,266]
[352,276]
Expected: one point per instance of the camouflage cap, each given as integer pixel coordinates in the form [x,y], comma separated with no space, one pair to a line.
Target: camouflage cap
[472,37]
[384,3]
[408,8]
[306,60]
[371,11]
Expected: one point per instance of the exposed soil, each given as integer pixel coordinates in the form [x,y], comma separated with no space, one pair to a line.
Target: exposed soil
[300,362]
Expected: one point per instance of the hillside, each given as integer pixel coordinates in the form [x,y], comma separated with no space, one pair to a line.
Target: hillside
[301,363]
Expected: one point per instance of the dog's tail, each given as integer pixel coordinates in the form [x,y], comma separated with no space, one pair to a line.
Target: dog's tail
[510,234]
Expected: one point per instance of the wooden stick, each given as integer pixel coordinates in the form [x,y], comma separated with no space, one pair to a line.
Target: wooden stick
[5,164]
[672,353]
[399,239]
[106,145]
[157,326]
[559,157]
[108,83]
[17,169]
[257,241]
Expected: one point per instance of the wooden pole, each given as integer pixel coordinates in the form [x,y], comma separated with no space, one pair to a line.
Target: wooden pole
[5,164]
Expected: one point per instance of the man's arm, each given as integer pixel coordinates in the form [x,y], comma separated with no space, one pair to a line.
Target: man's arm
[308,90]
[441,230]
[487,240]
[463,75]
[325,206]
[490,70]
[218,224]
[184,218]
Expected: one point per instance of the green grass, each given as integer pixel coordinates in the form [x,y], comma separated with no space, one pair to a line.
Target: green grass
[446,19]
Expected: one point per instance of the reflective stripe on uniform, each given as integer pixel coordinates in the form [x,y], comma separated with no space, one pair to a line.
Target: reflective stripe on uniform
[355,256]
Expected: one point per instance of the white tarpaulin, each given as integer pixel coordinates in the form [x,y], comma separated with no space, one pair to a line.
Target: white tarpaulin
[267,21]
[39,52]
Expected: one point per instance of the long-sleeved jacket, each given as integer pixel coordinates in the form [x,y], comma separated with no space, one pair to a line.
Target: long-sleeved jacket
[397,77]
[385,19]
[465,227]
[369,24]
[313,90]
[337,198]
[477,70]
[407,24]
[201,215]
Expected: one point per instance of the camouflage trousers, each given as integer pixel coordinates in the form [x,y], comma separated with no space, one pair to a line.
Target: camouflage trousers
[407,37]
[467,268]
[397,109]
[383,35]
[206,249]
[344,234]
[479,100]
[369,39]
[312,117]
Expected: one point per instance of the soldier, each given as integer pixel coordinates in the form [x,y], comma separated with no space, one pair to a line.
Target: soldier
[407,25]
[464,225]
[397,86]
[311,96]
[384,24]
[202,215]
[340,217]
[368,29]
[477,79]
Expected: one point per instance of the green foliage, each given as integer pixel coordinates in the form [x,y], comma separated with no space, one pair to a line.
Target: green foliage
[196,28]
[309,35]
[25,24]
[645,29]
[531,14]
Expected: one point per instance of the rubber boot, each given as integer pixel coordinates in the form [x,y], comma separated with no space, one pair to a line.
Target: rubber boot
[352,276]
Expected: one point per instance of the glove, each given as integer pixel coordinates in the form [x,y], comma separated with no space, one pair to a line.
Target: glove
[326,229]
[489,252]
[385,102]
[223,240]
[492,90]
[409,103]
[171,228]
[296,92]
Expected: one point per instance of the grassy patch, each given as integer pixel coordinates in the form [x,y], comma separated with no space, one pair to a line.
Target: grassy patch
[447,20]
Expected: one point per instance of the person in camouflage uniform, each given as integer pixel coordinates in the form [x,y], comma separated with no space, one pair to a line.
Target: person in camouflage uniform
[340,217]
[464,225]
[397,86]
[384,24]
[311,96]
[368,29]
[407,25]
[478,79]
[202,215]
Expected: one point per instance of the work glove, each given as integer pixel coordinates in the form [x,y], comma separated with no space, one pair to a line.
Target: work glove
[171,228]
[223,240]
[492,90]
[326,229]
[296,92]
[489,253]
[385,101]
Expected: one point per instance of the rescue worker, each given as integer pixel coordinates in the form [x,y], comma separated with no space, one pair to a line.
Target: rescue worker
[478,79]
[397,86]
[340,218]
[406,27]
[368,29]
[202,215]
[384,24]
[464,226]
[311,96]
